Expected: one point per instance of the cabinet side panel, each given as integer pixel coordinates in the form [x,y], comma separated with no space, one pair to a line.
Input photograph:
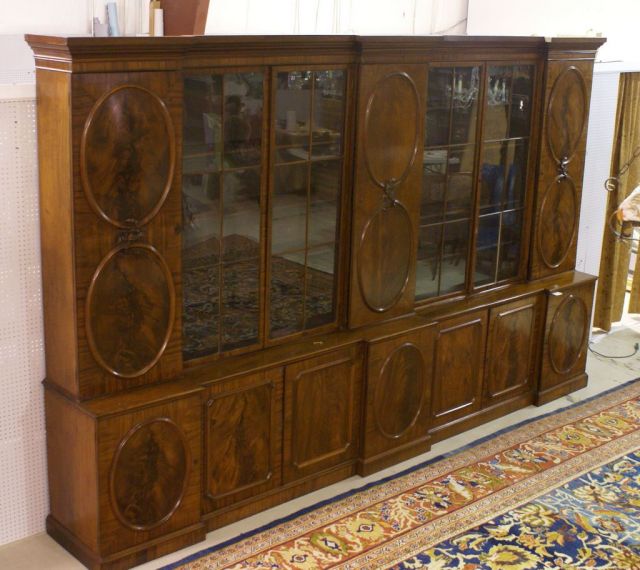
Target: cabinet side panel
[71,458]
[56,227]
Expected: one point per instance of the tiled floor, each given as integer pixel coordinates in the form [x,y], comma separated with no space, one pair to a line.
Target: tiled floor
[39,552]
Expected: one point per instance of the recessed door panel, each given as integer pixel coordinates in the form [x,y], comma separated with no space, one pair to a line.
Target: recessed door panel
[459,360]
[511,351]
[322,414]
[566,334]
[243,437]
[398,392]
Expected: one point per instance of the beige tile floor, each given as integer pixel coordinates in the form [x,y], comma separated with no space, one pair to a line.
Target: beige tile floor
[40,552]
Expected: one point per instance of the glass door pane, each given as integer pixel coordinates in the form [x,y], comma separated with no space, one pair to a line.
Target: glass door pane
[305,199]
[448,180]
[505,132]
[221,212]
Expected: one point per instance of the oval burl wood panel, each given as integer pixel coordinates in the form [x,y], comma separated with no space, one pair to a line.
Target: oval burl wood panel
[568,334]
[566,114]
[400,391]
[130,310]
[391,134]
[385,257]
[149,474]
[127,156]
[558,221]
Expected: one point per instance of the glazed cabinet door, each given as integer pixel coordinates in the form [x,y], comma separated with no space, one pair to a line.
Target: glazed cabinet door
[561,164]
[223,197]
[564,356]
[386,200]
[322,412]
[243,438]
[126,229]
[512,349]
[398,399]
[458,368]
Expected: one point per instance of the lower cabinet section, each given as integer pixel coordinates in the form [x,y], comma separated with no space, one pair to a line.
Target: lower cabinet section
[398,399]
[321,412]
[124,483]
[566,337]
[137,475]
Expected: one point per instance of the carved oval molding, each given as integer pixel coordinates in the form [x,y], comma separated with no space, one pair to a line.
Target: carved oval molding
[389,150]
[149,474]
[566,114]
[568,334]
[400,391]
[130,310]
[558,221]
[127,156]
[384,257]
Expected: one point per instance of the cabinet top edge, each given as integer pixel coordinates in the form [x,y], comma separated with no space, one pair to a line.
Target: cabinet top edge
[70,47]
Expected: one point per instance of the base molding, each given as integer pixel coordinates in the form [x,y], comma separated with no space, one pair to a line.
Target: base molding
[571,385]
[129,557]
[370,465]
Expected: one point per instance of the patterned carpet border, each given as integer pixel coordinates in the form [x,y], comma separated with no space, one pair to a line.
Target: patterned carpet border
[404,473]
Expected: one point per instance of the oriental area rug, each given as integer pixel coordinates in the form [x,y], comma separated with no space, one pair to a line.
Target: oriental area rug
[559,491]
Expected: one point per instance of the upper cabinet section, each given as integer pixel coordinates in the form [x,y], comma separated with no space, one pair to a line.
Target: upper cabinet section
[204,197]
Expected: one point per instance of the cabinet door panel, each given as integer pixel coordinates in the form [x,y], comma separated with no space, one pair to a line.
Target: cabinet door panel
[387,191]
[126,209]
[566,336]
[459,360]
[149,473]
[561,166]
[322,403]
[511,352]
[398,392]
[243,433]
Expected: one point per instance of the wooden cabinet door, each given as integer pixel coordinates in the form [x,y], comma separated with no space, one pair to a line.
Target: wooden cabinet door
[561,165]
[243,437]
[386,202]
[510,367]
[566,336]
[458,367]
[126,212]
[149,473]
[398,399]
[322,412]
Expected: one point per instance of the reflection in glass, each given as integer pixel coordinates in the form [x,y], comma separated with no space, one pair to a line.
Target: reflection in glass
[287,295]
[242,119]
[454,256]
[289,208]
[487,248]
[510,238]
[428,262]
[447,180]
[240,304]
[222,133]
[319,299]
[323,201]
[309,123]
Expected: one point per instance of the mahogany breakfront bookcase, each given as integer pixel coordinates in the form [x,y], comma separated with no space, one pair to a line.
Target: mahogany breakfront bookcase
[271,263]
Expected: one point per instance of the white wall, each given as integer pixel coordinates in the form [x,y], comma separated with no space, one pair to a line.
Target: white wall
[617,20]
